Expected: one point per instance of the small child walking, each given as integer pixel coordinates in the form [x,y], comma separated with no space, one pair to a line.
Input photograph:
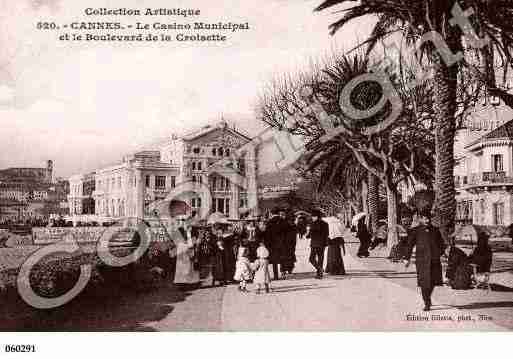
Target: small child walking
[242,268]
[261,268]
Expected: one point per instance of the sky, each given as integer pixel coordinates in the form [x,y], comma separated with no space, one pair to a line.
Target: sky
[85,105]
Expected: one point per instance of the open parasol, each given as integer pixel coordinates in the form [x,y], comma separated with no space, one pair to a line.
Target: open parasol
[302,213]
[217,217]
[357,217]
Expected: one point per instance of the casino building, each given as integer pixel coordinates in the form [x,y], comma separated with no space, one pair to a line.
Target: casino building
[129,187]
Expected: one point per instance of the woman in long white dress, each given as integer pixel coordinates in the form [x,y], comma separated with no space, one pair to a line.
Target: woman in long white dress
[186,275]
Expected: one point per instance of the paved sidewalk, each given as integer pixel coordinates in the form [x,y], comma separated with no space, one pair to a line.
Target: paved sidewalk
[374,295]
[365,299]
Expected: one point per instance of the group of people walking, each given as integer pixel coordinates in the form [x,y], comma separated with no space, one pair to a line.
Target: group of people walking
[326,232]
[251,251]
[240,252]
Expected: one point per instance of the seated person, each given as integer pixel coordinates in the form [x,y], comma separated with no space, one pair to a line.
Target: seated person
[482,254]
[458,271]
[380,237]
[456,258]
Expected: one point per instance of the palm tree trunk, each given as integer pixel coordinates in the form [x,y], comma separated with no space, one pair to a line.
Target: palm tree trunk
[373,200]
[445,109]
[348,213]
[392,204]
[365,202]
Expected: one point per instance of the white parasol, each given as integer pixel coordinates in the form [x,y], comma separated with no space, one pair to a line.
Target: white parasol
[302,213]
[217,217]
[357,217]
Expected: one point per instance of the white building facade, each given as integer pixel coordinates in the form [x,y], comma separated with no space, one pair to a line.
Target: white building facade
[80,197]
[189,165]
[126,190]
[484,179]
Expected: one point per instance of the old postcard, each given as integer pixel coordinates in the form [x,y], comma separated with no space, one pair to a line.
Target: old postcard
[251,165]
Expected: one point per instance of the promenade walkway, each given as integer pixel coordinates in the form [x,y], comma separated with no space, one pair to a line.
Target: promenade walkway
[374,295]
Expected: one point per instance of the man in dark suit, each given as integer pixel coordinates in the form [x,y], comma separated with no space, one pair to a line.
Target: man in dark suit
[430,247]
[275,241]
[318,234]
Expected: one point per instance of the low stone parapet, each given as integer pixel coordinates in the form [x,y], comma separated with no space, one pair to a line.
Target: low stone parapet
[44,236]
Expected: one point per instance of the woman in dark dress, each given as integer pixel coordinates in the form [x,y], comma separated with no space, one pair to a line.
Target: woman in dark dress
[232,241]
[250,240]
[365,238]
[335,262]
[222,263]
[261,232]
[229,246]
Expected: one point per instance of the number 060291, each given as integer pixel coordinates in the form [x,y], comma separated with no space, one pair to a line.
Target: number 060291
[15,348]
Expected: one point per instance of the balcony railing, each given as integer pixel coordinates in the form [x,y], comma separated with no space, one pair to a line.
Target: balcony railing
[494,177]
[489,178]
[460,181]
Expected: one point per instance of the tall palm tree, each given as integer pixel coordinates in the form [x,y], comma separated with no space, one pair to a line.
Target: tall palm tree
[373,199]
[413,18]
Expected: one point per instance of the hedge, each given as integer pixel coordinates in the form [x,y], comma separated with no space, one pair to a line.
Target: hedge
[56,274]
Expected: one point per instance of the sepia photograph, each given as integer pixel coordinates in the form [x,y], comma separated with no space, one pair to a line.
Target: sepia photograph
[255,166]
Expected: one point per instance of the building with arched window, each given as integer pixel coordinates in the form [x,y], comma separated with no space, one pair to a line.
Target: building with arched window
[198,163]
[203,157]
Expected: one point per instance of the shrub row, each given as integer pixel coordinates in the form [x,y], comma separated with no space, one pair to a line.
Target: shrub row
[56,274]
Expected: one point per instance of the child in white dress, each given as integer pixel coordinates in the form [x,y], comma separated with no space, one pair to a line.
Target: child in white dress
[242,268]
[261,268]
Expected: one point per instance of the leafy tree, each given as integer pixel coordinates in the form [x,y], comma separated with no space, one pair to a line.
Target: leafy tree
[340,181]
